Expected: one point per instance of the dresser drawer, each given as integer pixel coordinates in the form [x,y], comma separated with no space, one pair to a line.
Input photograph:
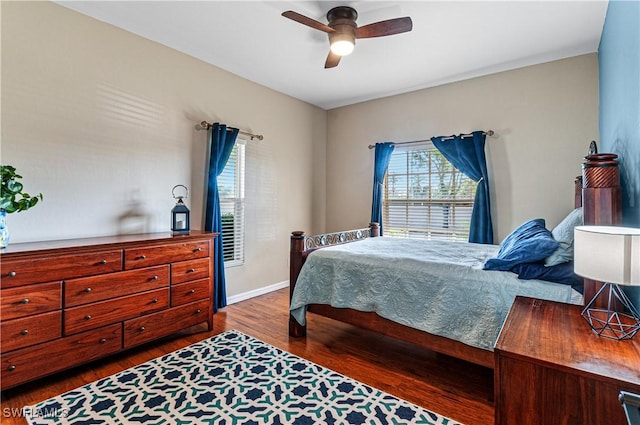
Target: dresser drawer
[59,267]
[147,328]
[97,288]
[190,292]
[90,316]
[26,331]
[43,359]
[160,254]
[31,299]
[186,271]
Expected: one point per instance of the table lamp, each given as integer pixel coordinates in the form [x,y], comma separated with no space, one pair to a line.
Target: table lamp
[610,255]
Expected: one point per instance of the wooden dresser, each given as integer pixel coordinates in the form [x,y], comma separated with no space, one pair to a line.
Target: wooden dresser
[551,369]
[64,303]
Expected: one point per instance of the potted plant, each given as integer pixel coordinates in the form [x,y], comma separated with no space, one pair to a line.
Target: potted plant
[12,199]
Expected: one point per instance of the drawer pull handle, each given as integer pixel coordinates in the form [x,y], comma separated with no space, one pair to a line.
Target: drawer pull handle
[197,249]
[87,317]
[155,300]
[87,290]
[103,340]
[193,291]
[143,257]
[25,301]
[191,271]
[12,274]
[198,311]
[141,329]
[154,278]
[103,262]
[24,332]
[12,368]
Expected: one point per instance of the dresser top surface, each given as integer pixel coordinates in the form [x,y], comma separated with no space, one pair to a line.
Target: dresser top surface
[102,241]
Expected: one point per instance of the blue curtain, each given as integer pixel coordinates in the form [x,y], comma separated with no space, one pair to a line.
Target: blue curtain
[381,162]
[221,141]
[468,156]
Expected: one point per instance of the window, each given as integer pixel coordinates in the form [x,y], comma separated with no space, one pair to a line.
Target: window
[231,190]
[424,196]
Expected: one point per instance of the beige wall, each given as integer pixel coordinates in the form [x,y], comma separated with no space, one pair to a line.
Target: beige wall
[544,117]
[98,119]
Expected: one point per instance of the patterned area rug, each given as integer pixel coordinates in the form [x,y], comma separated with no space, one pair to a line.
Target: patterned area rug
[229,379]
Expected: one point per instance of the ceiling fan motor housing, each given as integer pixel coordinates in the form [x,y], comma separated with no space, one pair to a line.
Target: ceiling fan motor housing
[342,12]
[343,20]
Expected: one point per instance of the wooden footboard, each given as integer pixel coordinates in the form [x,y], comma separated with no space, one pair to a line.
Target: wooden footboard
[302,245]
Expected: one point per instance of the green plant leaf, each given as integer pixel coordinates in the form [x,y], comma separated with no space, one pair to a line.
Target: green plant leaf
[5,203]
[11,208]
[11,188]
[32,202]
[14,186]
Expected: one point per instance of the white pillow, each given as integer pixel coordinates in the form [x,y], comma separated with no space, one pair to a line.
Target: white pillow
[563,233]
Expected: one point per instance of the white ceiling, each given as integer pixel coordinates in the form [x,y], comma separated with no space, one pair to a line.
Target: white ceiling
[450,41]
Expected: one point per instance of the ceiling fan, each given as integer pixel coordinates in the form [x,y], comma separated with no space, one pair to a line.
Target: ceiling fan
[343,30]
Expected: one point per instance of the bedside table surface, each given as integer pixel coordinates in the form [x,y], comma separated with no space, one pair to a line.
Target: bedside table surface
[554,333]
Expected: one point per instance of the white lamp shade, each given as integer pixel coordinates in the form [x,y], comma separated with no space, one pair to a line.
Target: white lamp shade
[607,254]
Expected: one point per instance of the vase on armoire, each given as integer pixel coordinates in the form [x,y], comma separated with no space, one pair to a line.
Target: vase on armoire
[4,232]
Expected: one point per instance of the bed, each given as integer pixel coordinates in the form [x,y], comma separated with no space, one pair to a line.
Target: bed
[359,278]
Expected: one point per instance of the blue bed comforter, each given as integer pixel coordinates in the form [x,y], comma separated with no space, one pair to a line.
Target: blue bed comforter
[435,286]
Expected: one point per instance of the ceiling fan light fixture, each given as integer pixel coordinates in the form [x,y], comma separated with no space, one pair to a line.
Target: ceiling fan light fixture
[343,30]
[342,41]
[342,47]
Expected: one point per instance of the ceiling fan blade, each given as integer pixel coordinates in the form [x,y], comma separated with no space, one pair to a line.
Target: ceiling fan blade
[382,28]
[332,60]
[307,21]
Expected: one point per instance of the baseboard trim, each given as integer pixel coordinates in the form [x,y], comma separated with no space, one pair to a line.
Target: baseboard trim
[256,292]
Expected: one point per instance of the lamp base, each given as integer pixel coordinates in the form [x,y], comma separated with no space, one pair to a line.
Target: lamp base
[620,320]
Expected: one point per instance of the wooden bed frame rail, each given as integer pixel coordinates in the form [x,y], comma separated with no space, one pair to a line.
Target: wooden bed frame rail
[302,245]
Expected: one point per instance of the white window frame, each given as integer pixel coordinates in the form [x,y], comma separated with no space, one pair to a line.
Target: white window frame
[459,210]
[231,187]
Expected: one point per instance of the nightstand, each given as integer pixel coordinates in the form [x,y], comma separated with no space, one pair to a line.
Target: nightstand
[552,369]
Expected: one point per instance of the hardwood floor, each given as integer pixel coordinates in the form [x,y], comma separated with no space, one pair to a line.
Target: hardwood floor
[450,387]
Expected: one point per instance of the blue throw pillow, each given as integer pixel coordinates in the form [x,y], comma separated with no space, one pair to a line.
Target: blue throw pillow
[529,243]
[562,273]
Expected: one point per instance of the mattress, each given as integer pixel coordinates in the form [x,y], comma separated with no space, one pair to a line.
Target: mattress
[435,286]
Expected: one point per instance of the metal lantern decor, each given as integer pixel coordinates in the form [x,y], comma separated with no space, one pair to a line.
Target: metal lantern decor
[180,213]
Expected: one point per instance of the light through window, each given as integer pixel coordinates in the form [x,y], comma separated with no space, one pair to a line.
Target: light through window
[231,190]
[425,196]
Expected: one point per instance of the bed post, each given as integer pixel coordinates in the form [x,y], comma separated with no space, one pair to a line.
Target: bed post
[375,229]
[601,202]
[295,264]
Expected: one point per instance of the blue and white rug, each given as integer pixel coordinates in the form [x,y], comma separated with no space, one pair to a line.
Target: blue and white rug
[229,379]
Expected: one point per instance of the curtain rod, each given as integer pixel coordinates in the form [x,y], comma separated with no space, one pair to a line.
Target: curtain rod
[205,126]
[486,133]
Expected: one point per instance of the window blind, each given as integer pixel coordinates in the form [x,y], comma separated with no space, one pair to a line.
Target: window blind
[424,196]
[231,190]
